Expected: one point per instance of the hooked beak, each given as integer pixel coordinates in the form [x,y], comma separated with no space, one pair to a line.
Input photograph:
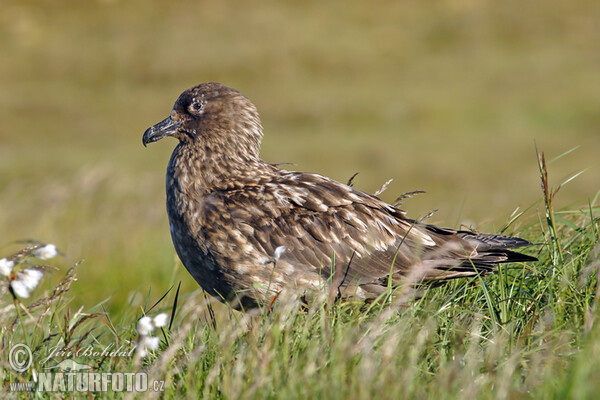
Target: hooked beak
[164,128]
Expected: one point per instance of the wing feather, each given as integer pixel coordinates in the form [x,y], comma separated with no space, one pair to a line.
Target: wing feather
[321,221]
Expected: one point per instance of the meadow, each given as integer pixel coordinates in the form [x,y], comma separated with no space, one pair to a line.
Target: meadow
[446,97]
[527,331]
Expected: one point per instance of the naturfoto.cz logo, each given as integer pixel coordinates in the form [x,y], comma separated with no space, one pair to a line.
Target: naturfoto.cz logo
[71,376]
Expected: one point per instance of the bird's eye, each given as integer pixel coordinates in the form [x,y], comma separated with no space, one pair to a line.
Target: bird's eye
[196,106]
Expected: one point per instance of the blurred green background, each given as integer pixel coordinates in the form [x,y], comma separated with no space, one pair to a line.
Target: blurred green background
[444,96]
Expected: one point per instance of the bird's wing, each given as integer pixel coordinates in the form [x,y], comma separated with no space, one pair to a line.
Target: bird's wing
[325,225]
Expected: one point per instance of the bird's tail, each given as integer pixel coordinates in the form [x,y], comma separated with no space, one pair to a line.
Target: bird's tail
[491,250]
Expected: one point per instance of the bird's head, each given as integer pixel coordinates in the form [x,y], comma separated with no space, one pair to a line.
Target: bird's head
[214,116]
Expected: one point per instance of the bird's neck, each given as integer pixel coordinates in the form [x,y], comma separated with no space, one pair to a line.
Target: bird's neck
[198,170]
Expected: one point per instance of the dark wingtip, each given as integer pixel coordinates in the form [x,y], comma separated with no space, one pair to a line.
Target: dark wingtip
[513,256]
[490,241]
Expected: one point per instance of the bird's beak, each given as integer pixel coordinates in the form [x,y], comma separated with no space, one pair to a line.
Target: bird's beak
[164,128]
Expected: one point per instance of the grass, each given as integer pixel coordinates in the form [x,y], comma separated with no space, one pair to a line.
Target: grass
[527,331]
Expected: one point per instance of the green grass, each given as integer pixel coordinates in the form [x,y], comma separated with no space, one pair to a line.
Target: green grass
[527,331]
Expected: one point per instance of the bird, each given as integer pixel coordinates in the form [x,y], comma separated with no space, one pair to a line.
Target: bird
[247,230]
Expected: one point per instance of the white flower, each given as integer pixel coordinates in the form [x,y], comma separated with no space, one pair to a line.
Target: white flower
[145,326]
[160,320]
[147,343]
[30,277]
[46,252]
[6,266]
[26,281]
[19,289]
[278,252]
[151,342]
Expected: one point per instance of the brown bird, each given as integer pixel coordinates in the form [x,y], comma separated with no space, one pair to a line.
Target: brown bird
[246,229]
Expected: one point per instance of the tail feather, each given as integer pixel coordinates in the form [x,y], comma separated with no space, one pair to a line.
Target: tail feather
[491,251]
[490,241]
[484,241]
[497,256]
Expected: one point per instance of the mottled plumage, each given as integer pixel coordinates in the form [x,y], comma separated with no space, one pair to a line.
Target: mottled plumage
[229,210]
